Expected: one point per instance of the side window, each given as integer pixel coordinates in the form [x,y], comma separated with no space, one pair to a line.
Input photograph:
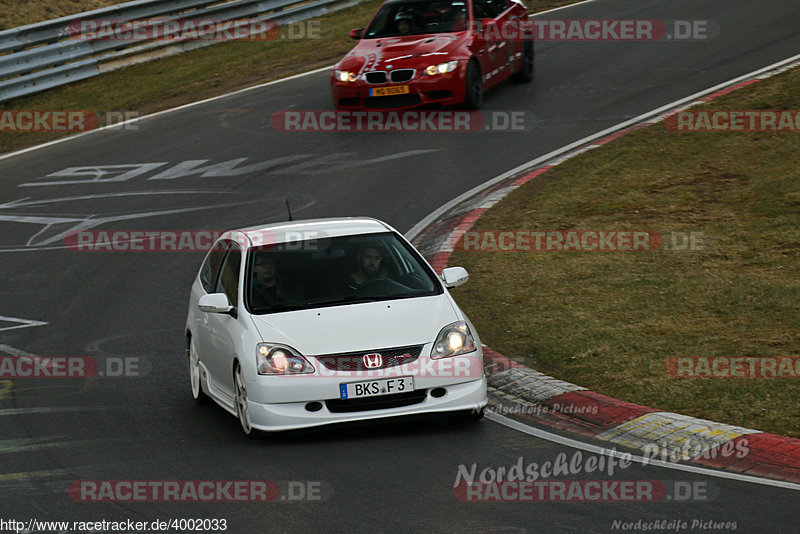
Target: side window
[228,281]
[481,9]
[489,9]
[208,274]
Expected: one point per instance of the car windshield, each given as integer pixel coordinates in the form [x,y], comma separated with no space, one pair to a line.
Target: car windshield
[414,18]
[334,271]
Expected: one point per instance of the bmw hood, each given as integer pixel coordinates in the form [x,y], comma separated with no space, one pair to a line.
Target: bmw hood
[375,54]
[359,327]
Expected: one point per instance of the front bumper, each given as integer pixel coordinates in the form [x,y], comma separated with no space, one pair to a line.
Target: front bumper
[294,415]
[445,89]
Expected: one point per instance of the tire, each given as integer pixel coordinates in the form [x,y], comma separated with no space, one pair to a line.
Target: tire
[198,394]
[525,73]
[242,412]
[473,90]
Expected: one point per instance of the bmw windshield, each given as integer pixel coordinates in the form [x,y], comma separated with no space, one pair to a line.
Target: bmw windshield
[335,271]
[396,19]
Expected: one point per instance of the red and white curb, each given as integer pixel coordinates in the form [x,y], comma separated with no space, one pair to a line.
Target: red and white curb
[546,400]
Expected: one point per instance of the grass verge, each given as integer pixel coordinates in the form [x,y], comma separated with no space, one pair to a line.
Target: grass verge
[203,73]
[609,321]
[15,13]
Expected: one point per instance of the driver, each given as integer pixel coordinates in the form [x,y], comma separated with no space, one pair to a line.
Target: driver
[403,23]
[368,260]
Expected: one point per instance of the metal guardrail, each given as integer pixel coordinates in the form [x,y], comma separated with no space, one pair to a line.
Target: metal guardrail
[49,54]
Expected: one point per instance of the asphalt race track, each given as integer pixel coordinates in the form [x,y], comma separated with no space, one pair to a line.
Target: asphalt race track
[221,165]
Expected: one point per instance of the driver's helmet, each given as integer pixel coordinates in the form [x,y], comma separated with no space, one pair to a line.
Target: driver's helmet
[403,16]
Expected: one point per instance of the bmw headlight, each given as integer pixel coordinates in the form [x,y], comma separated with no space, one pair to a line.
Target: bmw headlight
[345,76]
[454,339]
[272,359]
[441,68]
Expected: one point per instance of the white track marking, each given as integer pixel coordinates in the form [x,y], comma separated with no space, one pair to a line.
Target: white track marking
[575,444]
[25,323]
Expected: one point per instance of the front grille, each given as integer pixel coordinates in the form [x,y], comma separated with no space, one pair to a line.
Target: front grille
[354,361]
[376,76]
[396,76]
[402,75]
[378,402]
[394,101]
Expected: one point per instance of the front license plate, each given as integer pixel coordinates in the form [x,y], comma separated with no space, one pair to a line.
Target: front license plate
[388,91]
[384,386]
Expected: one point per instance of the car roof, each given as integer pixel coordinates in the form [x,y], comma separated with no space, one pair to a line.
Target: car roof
[313,229]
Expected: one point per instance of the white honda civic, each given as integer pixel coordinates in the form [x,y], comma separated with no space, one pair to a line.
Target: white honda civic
[308,323]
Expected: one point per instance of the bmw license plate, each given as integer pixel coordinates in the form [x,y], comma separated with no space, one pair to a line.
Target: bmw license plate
[388,91]
[385,386]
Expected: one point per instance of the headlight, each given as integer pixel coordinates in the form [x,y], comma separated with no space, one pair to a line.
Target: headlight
[274,359]
[441,68]
[454,339]
[346,76]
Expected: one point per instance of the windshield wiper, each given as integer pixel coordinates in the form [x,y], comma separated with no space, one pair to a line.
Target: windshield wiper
[277,309]
[349,299]
[355,299]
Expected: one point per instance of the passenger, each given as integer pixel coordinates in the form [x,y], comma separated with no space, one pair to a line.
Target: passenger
[269,289]
[460,21]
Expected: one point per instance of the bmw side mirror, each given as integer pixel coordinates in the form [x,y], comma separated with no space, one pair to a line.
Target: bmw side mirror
[454,276]
[356,33]
[216,303]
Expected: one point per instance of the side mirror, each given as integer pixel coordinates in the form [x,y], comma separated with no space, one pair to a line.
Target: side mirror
[215,303]
[356,33]
[454,276]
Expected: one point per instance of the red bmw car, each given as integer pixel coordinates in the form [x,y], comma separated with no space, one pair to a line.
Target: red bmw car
[419,52]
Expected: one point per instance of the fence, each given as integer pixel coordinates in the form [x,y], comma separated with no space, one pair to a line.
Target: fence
[49,54]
